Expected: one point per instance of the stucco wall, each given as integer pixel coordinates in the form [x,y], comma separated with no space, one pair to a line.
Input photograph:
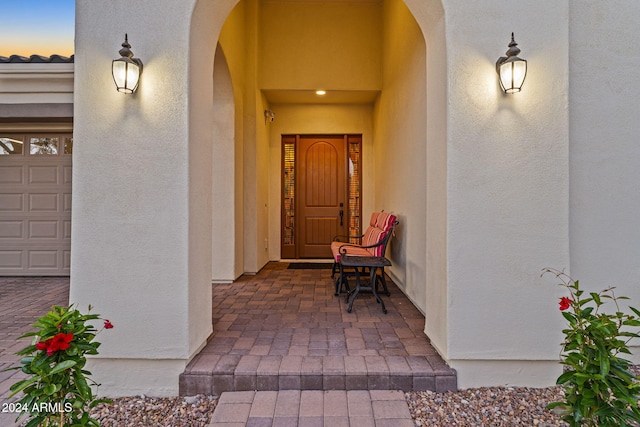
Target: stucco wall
[232,43]
[252,206]
[471,247]
[141,233]
[436,306]
[224,265]
[118,210]
[400,146]
[508,189]
[604,128]
[239,40]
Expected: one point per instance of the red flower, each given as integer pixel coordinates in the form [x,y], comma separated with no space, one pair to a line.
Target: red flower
[564,303]
[108,324]
[57,343]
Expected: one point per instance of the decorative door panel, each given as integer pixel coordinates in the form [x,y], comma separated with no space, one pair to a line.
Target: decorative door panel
[43,202]
[43,175]
[43,259]
[322,177]
[11,202]
[43,229]
[11,260]
[318,228]
[10,174]
[10,229]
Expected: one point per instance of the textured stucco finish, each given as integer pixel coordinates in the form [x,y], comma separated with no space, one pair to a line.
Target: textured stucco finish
[141,221]
[224,265]
[490,188]
[604,129]
[508,176]
[400,147]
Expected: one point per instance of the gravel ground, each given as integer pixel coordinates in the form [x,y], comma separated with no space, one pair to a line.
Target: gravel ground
[496,407]
[193,411]
[478,407]
[487,406]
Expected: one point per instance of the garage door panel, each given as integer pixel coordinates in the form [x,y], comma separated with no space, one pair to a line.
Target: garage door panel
[66,229]
[11,174]
[11,260]
[43,202]
[44,229]
[66,260]
[11,202]
[43,175]
[42,259]
[66,175]
[66,204]
[11,229]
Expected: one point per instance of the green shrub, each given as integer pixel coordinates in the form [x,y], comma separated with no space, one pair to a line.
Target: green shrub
[600,389]
[57,391]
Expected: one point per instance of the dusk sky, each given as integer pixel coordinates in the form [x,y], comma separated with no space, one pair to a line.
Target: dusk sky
[42,27]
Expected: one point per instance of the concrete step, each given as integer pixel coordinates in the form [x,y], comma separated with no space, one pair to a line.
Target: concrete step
[215,374]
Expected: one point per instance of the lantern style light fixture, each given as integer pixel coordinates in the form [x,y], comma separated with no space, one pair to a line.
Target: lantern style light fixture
[511,69]
[127,69]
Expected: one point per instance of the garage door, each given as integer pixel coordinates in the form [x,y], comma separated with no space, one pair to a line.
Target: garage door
[35,204]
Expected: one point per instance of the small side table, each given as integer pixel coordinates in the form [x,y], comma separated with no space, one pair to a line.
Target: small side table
[373,263]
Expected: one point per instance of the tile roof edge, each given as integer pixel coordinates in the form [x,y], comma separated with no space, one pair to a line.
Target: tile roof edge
[17,59]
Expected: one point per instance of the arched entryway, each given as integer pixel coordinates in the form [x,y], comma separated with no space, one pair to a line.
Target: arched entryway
[402,120]
[142,242]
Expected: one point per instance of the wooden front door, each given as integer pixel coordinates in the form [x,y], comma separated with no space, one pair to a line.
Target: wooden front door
[322,194]
[314,194]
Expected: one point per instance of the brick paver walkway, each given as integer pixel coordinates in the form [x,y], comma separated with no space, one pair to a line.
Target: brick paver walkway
[22,301]
[281,332]
[294,408]
[285,330]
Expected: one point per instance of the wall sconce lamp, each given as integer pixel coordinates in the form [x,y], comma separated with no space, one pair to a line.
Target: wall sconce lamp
[127,69]
[511,69]
[269,116]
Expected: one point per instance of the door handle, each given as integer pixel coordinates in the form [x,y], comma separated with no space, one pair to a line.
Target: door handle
[341,217]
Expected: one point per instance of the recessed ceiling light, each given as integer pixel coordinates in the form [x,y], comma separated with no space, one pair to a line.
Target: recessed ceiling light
[321,92]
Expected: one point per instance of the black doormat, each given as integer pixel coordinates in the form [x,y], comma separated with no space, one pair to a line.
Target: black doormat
[310,265]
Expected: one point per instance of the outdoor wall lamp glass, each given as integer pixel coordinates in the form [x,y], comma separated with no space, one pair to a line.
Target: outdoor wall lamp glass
[511,69]
[127,69]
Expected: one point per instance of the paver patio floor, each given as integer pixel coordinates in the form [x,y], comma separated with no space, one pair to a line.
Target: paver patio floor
[283,329]
[278,330]
[22,301]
